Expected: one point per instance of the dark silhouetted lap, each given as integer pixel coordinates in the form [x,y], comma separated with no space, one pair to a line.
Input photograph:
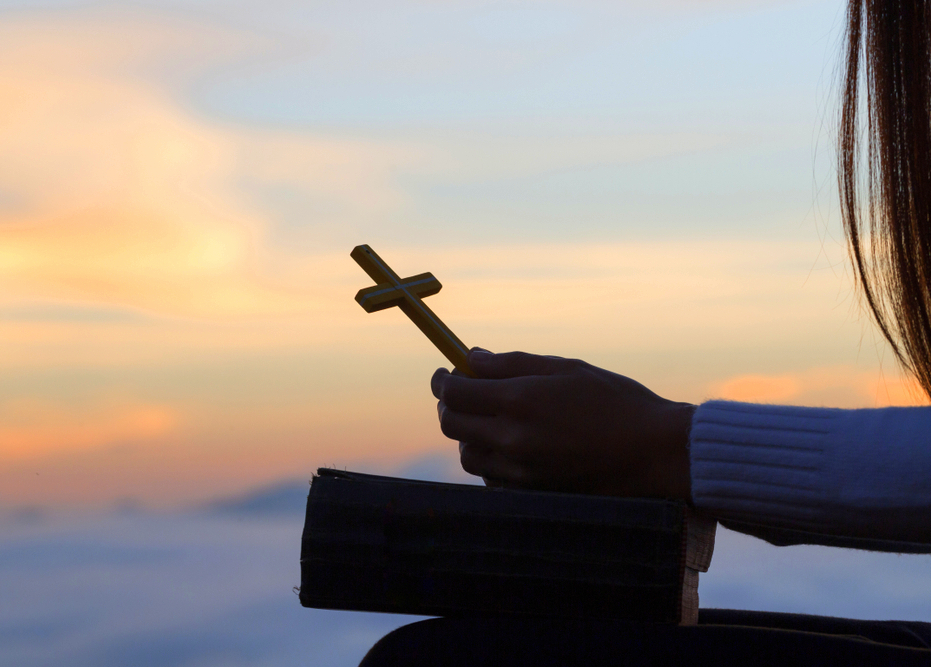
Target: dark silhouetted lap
[723,637]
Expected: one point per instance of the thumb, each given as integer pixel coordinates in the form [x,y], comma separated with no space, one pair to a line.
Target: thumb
[513,364]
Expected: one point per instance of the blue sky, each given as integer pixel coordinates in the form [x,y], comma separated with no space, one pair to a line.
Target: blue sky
[733,98]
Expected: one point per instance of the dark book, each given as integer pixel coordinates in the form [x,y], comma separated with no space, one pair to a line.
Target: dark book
[383,544]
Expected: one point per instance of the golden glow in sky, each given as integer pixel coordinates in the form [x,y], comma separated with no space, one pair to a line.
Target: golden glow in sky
[176,311]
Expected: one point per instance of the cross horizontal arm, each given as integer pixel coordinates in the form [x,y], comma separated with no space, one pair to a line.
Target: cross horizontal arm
[386,295]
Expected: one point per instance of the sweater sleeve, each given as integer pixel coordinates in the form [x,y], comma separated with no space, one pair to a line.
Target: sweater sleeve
[853,478]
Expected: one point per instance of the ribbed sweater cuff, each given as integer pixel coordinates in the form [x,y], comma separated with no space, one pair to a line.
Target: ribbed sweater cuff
[760,463]
[858,474]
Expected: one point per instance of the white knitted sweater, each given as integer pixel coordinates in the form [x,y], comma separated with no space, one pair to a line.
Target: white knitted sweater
[854,478]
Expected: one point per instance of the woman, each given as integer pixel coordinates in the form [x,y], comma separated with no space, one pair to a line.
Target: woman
[857,478]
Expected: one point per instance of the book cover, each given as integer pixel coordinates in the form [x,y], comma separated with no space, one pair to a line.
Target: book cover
[384,544]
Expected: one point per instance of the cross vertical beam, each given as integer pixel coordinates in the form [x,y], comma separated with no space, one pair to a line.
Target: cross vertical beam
[390,290]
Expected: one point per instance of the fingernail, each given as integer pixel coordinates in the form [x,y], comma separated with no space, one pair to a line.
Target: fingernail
[479,355]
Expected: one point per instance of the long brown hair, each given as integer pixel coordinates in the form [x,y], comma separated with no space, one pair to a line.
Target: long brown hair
[888,78]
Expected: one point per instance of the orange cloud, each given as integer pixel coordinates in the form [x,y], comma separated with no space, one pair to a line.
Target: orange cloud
[31,428]
[840,386]
[115,194]
[759,388]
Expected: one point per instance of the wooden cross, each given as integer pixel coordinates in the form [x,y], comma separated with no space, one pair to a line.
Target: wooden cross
[407,295]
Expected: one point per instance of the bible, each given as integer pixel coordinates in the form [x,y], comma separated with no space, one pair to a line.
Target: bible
[383,544]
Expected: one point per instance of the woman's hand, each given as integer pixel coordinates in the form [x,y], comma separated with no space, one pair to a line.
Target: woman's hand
[539,422]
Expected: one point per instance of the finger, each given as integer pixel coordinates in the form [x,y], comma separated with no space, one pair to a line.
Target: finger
[438,377]
[481,429]
[479,397]
[441,373]
[490,465]
[436,381]
[516,364]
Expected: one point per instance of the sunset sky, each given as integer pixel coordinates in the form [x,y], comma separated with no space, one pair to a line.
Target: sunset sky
[646,185]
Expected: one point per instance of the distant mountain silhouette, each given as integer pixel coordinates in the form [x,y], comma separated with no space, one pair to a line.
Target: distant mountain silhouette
[289,498]
[435,467]
[285,499]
